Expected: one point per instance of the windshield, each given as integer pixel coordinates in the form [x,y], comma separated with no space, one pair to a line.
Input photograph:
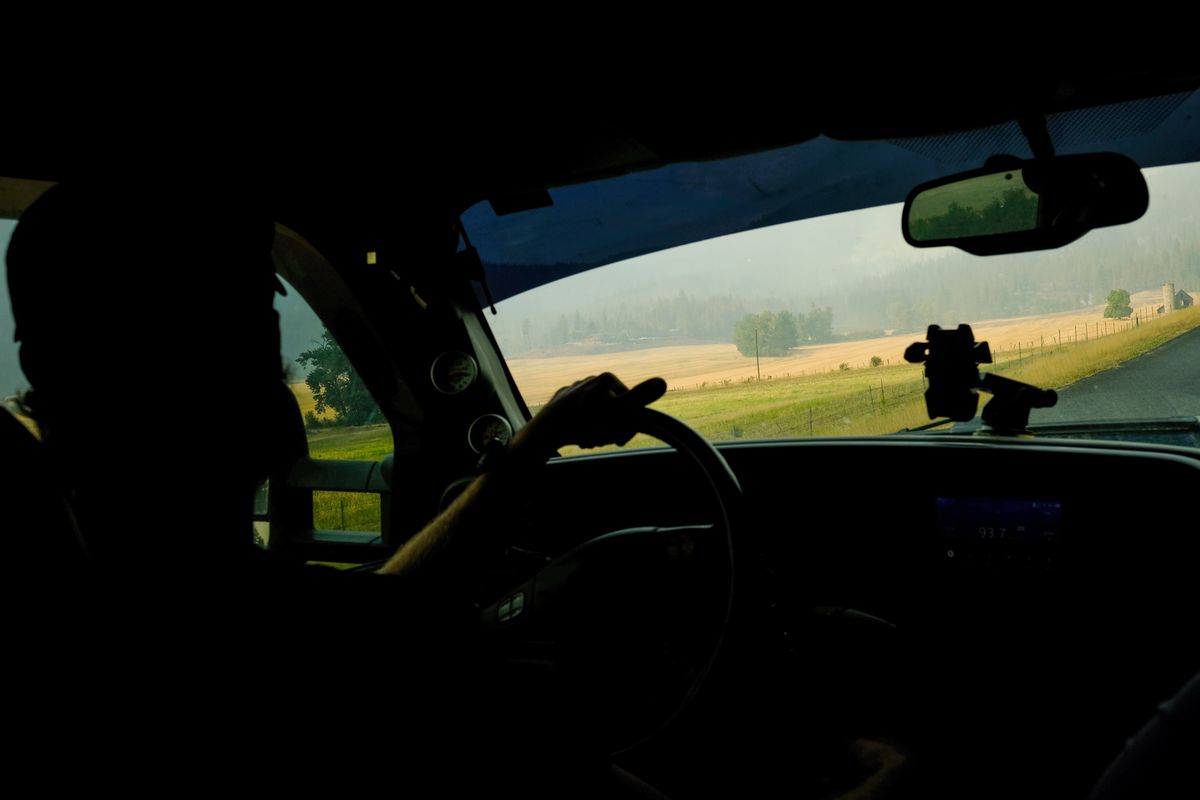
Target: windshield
[798,329]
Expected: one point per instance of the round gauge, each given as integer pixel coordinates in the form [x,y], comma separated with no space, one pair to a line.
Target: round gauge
[487,429]
[453,372]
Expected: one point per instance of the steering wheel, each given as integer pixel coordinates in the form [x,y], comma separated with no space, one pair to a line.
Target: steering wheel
[613,639]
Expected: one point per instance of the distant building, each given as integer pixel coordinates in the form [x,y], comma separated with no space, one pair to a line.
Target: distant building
[1183,299]
[1168,296]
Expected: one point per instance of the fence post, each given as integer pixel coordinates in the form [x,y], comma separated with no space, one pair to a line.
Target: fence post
[342,503]
[810,428]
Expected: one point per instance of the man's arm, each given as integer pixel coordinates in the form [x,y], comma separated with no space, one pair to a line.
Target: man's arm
[593,412]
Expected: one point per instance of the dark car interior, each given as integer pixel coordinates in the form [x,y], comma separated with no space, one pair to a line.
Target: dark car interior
[818,599]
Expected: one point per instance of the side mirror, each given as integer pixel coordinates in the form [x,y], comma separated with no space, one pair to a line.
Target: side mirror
[1018,206]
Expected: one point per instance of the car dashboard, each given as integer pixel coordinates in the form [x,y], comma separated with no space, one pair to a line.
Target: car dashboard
[1008,611]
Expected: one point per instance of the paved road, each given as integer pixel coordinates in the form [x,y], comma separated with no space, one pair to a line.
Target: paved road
[1162,383]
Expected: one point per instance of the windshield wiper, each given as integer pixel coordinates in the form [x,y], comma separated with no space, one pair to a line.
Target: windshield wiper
[1161,425]
[1165,430]
[936,423]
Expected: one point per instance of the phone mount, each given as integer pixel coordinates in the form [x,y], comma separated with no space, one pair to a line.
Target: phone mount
[952,359]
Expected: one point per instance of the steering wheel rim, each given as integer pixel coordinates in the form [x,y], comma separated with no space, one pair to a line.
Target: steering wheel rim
[536,618]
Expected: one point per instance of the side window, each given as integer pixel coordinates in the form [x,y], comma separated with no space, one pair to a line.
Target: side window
[12,380]
[341,419]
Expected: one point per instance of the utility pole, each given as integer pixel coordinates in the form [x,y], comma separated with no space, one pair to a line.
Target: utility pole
[757,366]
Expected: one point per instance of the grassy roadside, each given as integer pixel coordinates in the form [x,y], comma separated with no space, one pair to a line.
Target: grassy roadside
[1064,365]
[365,443]
[349,511]
[1054,366]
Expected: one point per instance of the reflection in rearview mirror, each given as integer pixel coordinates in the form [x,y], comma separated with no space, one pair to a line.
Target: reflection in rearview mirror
[1025,205]
[989,204]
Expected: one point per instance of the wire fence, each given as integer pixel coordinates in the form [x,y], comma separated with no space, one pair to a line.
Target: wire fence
[346,511]
[879,402]
[1074,334]
[849,409]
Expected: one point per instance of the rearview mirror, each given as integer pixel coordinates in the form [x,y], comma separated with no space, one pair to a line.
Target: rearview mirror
[1018,206]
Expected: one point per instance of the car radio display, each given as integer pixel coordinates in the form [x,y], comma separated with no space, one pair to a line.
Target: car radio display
[1018,521]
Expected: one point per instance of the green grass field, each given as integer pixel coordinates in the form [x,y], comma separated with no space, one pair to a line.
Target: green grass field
[366,443]
[862,401]
[348,511]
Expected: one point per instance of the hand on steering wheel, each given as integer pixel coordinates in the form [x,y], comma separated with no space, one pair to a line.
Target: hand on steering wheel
[615,636]
[592,412]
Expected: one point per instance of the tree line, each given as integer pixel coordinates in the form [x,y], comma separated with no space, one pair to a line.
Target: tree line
[947,287]
[683,316]
[961,288]
[1014,210]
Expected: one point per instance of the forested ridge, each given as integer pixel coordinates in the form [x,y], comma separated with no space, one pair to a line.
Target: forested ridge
[944,288]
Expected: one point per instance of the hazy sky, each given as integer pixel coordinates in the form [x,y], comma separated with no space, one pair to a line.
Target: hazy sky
[808,258]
